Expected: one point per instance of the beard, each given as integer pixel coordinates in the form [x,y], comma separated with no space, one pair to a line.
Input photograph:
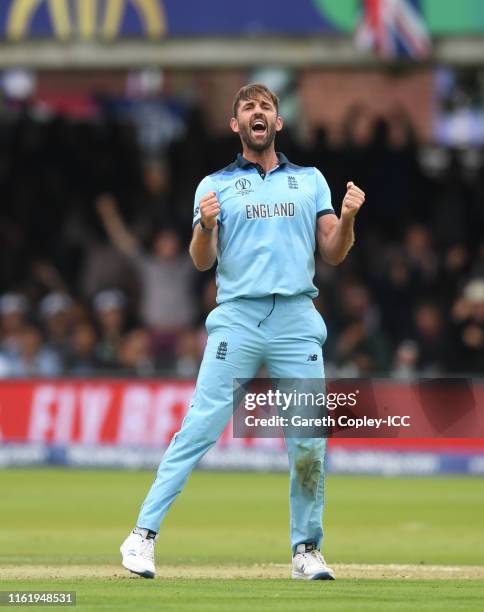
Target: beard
[253,143]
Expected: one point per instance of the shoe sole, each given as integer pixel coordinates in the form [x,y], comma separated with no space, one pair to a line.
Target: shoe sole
[145,574]
[317,576]
[142,573]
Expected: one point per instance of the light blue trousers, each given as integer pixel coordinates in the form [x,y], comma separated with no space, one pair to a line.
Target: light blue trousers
[285,334]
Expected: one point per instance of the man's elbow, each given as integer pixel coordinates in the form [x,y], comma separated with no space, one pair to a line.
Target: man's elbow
[334,261]
[334,256]
[197,263]
[200,264]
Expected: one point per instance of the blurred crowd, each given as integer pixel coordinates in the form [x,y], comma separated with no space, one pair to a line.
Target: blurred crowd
[95,276]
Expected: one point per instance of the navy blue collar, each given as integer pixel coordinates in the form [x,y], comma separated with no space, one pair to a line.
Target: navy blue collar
[245,163]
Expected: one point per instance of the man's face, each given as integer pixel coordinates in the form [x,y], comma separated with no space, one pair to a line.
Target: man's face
[256,123]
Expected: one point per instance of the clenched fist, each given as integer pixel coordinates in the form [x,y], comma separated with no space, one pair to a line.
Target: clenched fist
[352,201]
[209,209]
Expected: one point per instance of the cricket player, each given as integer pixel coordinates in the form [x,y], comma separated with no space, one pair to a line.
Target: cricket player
[261,218]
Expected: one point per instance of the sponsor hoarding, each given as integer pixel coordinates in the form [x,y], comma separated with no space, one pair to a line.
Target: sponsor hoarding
[114,423]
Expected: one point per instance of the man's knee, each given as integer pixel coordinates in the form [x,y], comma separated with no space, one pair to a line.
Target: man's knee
[308,463]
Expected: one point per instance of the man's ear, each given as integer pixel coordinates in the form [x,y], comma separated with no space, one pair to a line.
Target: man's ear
[279,124]
[234,125]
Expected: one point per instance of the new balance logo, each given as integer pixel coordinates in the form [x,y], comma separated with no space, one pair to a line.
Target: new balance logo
[292,182]
[222,351]
[312,357]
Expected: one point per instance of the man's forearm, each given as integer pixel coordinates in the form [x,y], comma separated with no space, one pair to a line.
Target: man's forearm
[339,241]
[203,248]
[336,236]
[119,234]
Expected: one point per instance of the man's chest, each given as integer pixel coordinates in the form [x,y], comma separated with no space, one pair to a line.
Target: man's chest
[278,196]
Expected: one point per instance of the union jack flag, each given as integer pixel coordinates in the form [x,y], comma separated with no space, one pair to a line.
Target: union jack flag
[394,28]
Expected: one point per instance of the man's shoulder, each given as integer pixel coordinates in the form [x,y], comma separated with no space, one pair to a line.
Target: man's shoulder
[211,180]
[231,169]
[295,168]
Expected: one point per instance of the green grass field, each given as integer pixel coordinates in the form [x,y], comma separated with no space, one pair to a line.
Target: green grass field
[61,529]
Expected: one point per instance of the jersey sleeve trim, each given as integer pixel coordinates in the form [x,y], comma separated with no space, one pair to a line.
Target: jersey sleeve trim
[195,223]
[326,211]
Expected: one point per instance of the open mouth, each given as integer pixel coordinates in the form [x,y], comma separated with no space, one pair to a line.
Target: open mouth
[259,126]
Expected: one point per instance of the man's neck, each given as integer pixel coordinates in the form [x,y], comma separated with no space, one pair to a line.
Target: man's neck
[266,159]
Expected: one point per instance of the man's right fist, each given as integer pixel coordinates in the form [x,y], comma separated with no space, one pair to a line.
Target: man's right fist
[209,209]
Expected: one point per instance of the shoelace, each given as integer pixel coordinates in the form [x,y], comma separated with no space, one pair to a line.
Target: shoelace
[314,555]
[319,557]
[147,549]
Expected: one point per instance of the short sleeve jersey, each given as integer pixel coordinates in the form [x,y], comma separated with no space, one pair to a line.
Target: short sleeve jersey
[267,227]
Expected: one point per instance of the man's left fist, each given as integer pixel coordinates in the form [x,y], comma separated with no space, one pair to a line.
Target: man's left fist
[352,201]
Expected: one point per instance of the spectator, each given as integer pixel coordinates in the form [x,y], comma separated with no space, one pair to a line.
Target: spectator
[456,261]
[189,353]
[32,359]
[82,359]
[56,312]
[421,257]
[396,289]
[153,206]
[103,267]
[13,310]
[431,339]
[109,306]
[405,361]
[166,276]
[135,354]
[360,347]
[467,354]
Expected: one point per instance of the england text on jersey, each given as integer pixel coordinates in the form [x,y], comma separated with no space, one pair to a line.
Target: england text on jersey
[267,211]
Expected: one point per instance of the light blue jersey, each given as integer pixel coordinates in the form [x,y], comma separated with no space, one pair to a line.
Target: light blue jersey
[267,227]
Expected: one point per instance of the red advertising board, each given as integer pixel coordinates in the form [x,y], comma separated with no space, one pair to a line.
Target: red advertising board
[92,412]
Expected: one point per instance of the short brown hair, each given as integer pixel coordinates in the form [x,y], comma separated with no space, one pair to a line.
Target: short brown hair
[248,92]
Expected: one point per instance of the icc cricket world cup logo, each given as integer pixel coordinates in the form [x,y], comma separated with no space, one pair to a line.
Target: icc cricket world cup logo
[85,19]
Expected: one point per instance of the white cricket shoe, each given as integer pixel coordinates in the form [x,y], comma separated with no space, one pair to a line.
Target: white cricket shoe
[309,564]
[139,555]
